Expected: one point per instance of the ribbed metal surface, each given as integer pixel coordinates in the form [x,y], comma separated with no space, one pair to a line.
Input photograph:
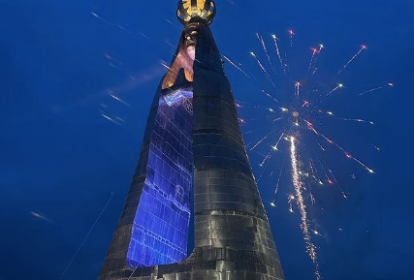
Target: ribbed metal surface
[233,239]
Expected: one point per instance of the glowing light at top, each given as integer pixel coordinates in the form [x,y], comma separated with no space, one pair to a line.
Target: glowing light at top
[201,9]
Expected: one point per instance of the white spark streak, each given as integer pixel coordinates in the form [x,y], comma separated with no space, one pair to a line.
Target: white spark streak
[297,184]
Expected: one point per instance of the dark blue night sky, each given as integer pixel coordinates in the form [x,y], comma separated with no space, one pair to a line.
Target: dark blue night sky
[61,160]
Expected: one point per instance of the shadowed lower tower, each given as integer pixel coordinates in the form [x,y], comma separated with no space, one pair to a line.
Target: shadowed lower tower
[193,146]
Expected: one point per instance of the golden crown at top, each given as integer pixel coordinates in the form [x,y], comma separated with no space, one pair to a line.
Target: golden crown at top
[200,9]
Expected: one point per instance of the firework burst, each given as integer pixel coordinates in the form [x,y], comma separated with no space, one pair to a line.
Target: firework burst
[293,127]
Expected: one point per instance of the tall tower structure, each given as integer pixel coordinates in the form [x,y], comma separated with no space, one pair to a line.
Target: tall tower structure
[193,147]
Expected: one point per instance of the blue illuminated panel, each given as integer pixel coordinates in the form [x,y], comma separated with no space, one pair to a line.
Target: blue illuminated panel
[160,230]
[176,96]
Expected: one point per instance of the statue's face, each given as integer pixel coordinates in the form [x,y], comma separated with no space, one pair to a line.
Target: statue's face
[190,41]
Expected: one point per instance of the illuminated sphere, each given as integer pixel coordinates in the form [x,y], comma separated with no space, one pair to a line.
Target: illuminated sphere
[201,9]
[295,114]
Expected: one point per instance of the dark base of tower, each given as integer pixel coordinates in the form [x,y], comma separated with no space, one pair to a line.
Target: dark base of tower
[207,264]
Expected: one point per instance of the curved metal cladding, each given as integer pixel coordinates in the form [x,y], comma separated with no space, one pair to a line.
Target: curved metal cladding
[233,239]
[231,227]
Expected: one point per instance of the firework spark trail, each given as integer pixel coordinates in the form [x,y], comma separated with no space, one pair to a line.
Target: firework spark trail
[119,100]
[291,33]
[263,68]
[261,176]
[41,217]
[114,63]
[129,278]
[321,46]
[254,130]
[241,121]
[363,47]
[170,45]
[259,62]
[241,104]
[291,197]
[286,64]
[314,172]
[327,178]
[166,66]
[93,13]
[255,119]
[97,16]
[268,156]
[273,204]
[313,200]
[261,141]
[312,59]
[335,89]
[249,144]
[276,146]
[310,246]
[297,90]
[270,96]
[356,120]
[235,65]
[376,89]
[344,195]
[278,53]
[320,146]
[267,118]
[111,119]
[347,154]
[262,42]
[371,90]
